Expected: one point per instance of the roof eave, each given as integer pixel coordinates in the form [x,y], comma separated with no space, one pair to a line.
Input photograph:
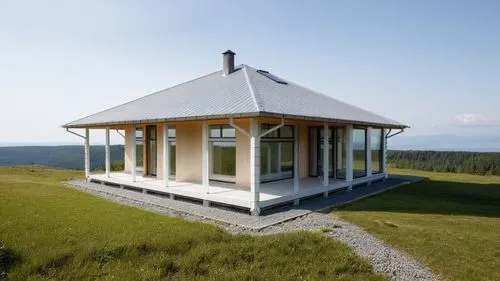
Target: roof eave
[234,115]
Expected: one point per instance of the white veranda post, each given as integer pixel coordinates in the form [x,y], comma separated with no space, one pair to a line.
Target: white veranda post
[326,161]
[296,176]
[205,158]
[254,167]
[349,154]
[134,155]
[108,154]
[166,155]
[87,154]
[384,152]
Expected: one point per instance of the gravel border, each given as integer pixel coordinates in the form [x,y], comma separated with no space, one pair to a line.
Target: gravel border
[381,256]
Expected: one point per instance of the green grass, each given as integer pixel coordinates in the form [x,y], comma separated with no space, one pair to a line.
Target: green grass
[57,233]
[450,222]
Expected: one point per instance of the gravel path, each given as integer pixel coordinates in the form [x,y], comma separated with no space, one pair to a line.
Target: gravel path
[383,258]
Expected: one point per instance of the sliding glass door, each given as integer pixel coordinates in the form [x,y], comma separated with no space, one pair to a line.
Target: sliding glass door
[172,151]
[139,148]
[151,150]
[316,139]
[276,153]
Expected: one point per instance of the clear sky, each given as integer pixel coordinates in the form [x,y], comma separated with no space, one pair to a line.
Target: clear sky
[434,65]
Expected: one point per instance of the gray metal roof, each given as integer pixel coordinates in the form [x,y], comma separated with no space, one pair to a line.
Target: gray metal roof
[244,92]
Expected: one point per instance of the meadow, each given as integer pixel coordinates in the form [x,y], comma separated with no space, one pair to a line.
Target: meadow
[450,222]
[51,232]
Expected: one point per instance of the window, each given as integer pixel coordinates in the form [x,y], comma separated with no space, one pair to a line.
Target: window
[272,77]
[330,151]
[277,153]
[172,151]
[376,148]
[285,132]
[222,140]
[139,149]
[316,140]
[151,152]
[341,148]
[359,152]
[171,132]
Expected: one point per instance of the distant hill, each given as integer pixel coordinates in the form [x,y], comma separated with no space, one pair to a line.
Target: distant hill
[66,156]
[72,157]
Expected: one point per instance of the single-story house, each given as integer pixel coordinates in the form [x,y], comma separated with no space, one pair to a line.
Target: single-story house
[242,137]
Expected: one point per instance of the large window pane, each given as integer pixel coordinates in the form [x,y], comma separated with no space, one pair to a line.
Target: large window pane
[286,131]
[172,157]
[276,160]
[139,146]
[287,157]
[223,159]
[274,157]
[228,132]
[359,153]
[376,147]
[172,150]
[222,153]
[171,133]
[276,152]
[340,146]
[264,156]
[215,132]
[330,152]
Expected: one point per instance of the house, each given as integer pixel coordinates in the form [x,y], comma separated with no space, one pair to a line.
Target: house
[242,137]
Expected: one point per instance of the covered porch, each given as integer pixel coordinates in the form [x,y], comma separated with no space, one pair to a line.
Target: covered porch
[228,194]
[249,163]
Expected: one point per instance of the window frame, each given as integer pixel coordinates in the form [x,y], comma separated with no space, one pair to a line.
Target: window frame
[140,140]
[172,142]
[220,138]
[276,137]
[381,152]
[365,150]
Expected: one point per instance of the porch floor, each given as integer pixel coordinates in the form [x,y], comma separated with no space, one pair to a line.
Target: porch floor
[272,193]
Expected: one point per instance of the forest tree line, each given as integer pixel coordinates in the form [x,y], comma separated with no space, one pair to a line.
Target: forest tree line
[477,163]
[71,157]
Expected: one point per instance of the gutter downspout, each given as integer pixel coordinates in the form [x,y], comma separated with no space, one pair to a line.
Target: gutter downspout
[231,123]
[118,132]
[76,134]
[390,136]
[254,156]
[87,150]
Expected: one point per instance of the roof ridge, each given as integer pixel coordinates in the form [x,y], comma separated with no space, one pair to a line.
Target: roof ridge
[148,95]
[252,92]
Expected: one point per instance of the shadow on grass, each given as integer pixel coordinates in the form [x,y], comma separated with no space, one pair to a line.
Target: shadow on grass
[7,260]
[435,197]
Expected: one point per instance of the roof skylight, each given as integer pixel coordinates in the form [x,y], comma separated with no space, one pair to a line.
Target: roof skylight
[272,77]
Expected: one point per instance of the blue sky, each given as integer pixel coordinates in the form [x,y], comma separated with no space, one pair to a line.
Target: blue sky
[434,65]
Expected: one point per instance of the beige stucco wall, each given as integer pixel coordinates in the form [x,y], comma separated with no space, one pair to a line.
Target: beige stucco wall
[303,150]
[188,150]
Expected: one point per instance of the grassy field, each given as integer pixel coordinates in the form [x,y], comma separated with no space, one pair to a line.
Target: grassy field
[52,232]
[450,222]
